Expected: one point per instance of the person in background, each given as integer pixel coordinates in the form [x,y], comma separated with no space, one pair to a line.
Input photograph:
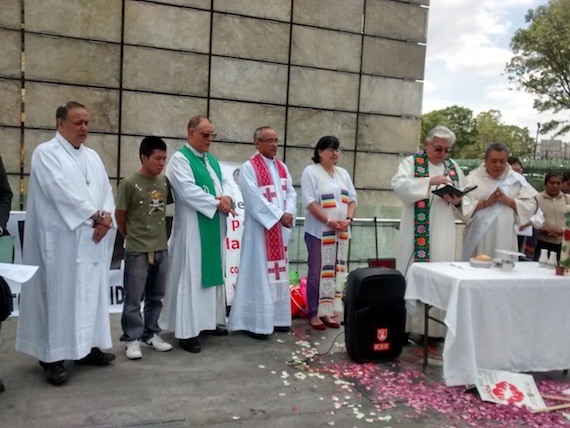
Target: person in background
[195,299]
[141,219]
[515,164]
[566,182]
[5,205]
[553,202]
[523,240]
[262,302]
[502,199]
[69,233]
[427,227]
[329,199]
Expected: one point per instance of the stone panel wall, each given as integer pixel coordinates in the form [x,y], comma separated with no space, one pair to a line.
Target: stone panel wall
[306,67]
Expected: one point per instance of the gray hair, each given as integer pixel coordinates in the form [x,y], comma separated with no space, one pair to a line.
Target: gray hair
[496,147]
[441,132]
[258,133]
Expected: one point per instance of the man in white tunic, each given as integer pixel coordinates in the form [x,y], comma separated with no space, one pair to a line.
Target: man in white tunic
[503,199]
[262,300]
[195,297]
[69,234]
[427,227]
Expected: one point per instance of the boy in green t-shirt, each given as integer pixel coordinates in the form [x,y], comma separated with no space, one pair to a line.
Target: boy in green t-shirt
[141,218]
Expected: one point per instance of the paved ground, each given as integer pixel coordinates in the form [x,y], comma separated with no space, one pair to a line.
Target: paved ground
[239,382]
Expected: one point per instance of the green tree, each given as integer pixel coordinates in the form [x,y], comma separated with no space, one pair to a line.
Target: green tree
[490,129]
[541,61]
[459,119]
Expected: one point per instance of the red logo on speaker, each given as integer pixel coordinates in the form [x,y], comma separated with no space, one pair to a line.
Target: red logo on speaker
[382,334]
[381,346]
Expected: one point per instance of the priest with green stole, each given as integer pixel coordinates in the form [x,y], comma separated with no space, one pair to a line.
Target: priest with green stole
[427,228]
[195,302]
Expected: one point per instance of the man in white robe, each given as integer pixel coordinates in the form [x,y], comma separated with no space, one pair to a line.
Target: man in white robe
[194,302]
[417,177]
[262,300]
[69,234]
[503,199]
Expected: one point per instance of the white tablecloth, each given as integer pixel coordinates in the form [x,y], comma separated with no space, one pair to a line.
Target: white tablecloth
[517,321]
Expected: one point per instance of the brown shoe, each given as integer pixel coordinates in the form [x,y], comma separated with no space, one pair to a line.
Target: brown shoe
[56,374]
[96,358]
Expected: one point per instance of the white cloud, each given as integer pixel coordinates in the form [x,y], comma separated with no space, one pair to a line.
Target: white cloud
[467,49]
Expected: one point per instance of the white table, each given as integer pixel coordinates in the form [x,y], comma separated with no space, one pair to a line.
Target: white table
[517,321]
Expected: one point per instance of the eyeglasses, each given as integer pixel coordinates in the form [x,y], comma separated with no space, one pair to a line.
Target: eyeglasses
[440,149]
[330,149]
[208,135]
[270,141]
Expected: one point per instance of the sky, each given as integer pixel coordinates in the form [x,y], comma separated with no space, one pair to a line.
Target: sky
[468,45]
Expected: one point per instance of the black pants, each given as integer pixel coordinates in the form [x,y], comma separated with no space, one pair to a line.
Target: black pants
[540,245]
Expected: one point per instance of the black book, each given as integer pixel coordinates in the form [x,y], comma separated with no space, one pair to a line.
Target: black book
[452,191]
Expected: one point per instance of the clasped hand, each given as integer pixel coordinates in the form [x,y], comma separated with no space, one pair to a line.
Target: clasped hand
[287,220]
[225,205]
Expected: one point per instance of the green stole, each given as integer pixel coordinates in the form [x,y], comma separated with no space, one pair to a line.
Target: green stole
[422,207]
[210,235]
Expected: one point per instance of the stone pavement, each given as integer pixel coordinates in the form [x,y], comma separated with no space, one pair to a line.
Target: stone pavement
[235,381]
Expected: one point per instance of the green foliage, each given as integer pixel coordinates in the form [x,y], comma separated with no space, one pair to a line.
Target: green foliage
[541,61]
[474,134]
[459,119]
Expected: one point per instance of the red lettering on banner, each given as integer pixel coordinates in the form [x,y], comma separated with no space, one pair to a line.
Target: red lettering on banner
[234,270]
[235,225]
[381,346]
[232,244]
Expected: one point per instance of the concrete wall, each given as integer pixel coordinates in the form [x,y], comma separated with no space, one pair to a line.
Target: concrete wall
[308,68]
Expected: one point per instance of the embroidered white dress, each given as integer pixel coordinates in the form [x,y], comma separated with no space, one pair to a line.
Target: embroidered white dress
[189,308]
[254,308]
[64,308]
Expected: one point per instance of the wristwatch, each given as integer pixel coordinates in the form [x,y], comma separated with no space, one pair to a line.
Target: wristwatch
[350,218]
[101,215]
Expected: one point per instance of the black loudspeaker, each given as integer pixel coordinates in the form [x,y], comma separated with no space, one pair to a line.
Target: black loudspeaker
[375,315]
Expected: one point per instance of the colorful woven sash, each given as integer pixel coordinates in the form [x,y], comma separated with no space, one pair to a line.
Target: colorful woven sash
[334,245]
[422,207]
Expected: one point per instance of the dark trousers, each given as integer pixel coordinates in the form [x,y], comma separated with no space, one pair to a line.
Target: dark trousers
[547,246]
[313,275]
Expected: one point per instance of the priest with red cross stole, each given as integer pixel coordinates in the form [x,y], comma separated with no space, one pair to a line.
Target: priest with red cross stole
[427,227]
[262,301]
[194,301]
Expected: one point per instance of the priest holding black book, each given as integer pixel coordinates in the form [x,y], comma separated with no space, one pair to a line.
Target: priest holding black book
[427,227]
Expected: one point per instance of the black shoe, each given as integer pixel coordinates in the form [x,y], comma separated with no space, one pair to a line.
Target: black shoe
[2,387]
[96,358]
[219,331]
[257,336]
[282,329]
[55,372]
[190,345]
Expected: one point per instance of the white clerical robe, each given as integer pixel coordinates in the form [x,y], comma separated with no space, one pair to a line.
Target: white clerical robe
[253,308]
[501,232]
[188,307]
[64,308]
[442,216]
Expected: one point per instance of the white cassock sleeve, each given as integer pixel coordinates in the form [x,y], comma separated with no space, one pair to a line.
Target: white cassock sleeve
[410,189]
[72,208]
[256,205]
[186,191]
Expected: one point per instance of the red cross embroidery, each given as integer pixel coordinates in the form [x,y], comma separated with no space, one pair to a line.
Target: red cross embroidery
[269,194]
[276,269]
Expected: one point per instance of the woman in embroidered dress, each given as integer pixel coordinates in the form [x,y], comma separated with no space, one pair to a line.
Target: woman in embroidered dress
[329,199]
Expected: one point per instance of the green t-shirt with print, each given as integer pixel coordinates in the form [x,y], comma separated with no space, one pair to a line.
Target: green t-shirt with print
[144,199]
